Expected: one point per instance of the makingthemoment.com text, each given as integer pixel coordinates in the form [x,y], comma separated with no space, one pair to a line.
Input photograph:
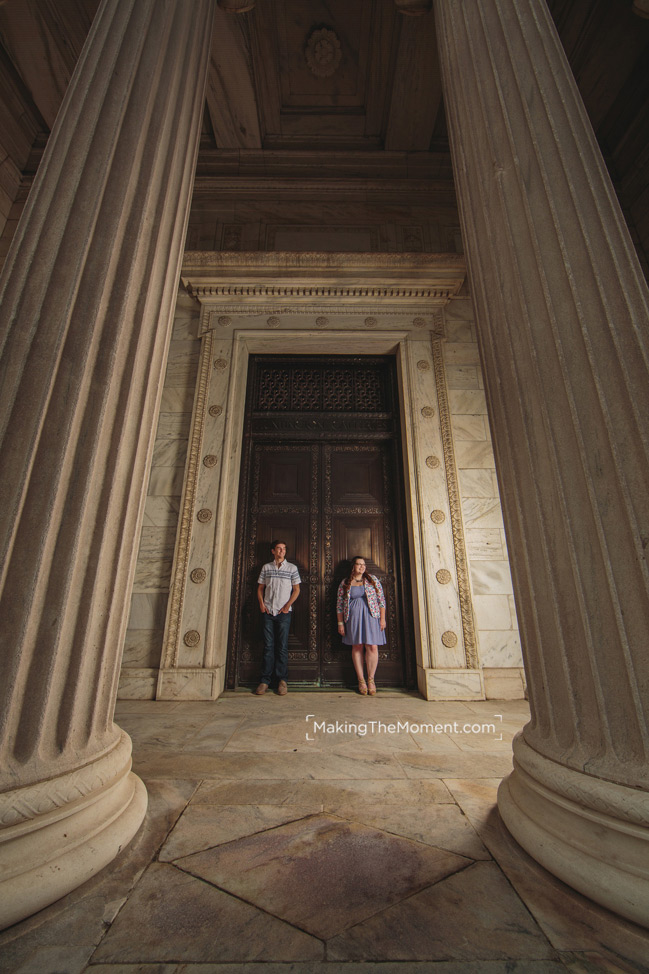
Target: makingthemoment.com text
[397,727]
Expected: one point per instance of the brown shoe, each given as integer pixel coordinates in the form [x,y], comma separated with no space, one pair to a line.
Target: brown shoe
[261,689]
[282,688]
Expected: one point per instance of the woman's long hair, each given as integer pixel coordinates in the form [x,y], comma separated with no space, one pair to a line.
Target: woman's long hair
[348,581]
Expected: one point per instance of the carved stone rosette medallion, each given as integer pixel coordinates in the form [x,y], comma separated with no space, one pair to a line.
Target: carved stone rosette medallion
[443,576]
[322,52]
[423,365]
[437,517]
[210,460]
[204,515]
[198,575]
[215,410]
[427,412]
[192,638]
[449,639]
[273,322]
[433,462]
[220,364]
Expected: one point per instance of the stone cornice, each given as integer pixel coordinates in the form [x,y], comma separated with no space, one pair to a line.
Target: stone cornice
[260,187]
[261,277]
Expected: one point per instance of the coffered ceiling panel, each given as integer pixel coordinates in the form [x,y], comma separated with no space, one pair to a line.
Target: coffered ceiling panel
[323,70]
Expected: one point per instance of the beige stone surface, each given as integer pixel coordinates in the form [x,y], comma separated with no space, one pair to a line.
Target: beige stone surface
[358,870]
[567,394]
[143,920]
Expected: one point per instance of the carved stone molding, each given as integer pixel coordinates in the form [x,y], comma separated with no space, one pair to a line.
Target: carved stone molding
[22,804]
[227,278]
[463,584]
[323,52]
[179,573]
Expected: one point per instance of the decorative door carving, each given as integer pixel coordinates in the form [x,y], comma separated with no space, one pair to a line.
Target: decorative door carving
[321,470]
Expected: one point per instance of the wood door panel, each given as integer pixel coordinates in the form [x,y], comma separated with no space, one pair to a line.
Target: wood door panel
[327,483]
[357,478]
[285,478]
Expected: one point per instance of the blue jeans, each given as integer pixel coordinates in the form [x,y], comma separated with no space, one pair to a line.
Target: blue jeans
[275,646]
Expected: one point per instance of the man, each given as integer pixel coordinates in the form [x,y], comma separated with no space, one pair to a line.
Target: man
[278,586]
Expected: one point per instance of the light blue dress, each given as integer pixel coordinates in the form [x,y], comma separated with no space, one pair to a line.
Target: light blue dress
[361,627]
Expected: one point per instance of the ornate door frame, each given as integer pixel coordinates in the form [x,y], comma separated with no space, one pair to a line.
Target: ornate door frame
[322,304]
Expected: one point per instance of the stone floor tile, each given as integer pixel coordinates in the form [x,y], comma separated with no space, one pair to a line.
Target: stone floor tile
[79,920]
[371,967]
[472,916]
[203,826]
[139,968]
[322,874]
[153,763]
[329,793]
[443,826]
[173,917]
[457,765]
[49,960]
[570,921]
[166,731]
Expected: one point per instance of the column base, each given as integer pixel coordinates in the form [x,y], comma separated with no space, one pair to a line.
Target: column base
[450,684]
[60,832]
[591,833]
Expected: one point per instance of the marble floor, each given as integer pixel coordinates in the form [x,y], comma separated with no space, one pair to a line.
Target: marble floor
[323,832]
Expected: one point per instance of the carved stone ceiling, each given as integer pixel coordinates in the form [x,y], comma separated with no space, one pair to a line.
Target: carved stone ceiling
[326,76]
[324,73]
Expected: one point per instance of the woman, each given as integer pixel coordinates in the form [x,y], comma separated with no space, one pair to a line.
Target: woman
[360,609]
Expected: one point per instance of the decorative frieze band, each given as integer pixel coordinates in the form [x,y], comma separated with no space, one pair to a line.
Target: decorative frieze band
[171,645]
[463,585]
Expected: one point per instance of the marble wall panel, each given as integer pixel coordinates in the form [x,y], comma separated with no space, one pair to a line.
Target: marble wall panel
[484,544]
[166,481]
[498,639]
[148,610]
[462,352]
[169,453]
[142,647]
[143,643]
[500,648]
[462,377]
[173,425]
[177,400]
[161,511]
[478,483]
[466,427]
[492,612]
[473,453]
[470,401]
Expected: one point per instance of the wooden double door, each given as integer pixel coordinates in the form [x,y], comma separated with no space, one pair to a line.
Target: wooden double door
[321,471]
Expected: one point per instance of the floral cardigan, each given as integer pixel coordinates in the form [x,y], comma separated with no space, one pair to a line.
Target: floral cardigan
[375,600]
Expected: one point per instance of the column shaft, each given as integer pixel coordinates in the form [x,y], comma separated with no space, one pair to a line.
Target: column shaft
[562,307]
[86,298]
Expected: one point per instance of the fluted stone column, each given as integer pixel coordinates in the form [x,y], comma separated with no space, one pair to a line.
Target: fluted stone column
[86,300]
[562,310]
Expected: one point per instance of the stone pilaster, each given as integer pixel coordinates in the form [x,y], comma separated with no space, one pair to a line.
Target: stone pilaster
[562,312]
[87,295]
